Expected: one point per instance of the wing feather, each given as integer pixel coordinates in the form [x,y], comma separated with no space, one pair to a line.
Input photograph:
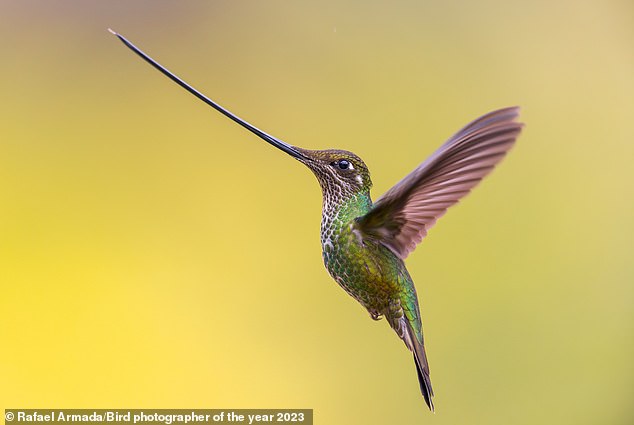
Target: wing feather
[401,218]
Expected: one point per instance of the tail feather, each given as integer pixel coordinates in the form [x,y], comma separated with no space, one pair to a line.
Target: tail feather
[422,367]
[414,341]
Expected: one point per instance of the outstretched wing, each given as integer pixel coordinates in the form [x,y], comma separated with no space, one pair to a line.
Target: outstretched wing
[401,218]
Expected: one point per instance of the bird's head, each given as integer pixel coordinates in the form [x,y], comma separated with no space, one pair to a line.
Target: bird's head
[336,169]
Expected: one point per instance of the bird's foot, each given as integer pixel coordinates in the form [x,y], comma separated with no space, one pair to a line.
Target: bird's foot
[375,315]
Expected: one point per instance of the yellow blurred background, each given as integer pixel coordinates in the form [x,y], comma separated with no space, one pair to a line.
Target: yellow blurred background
[153,254]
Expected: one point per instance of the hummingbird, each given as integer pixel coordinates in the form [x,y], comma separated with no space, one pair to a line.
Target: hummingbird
[364,243]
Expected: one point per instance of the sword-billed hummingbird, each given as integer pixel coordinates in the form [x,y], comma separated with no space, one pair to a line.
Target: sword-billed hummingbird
[364,243]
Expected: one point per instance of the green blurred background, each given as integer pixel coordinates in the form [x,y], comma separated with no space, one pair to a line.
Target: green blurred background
[153,254]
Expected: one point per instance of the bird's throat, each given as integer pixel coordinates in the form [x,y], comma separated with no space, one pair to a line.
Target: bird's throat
[338,212]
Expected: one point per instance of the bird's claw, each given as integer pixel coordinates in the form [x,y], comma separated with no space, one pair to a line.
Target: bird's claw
[375,315]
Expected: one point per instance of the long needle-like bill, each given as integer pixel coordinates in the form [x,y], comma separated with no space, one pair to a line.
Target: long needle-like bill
[270,139]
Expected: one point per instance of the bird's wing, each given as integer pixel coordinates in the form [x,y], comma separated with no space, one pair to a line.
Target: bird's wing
[401,218]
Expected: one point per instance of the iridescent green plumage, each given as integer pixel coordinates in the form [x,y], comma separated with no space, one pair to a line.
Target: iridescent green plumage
[364,243]
[365,268]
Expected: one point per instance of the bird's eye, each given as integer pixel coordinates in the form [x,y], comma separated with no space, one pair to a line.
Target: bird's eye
[343,164]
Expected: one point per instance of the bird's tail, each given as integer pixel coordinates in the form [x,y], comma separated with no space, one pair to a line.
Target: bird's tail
[415,343]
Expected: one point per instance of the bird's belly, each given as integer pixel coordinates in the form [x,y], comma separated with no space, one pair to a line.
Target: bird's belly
[367,272]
